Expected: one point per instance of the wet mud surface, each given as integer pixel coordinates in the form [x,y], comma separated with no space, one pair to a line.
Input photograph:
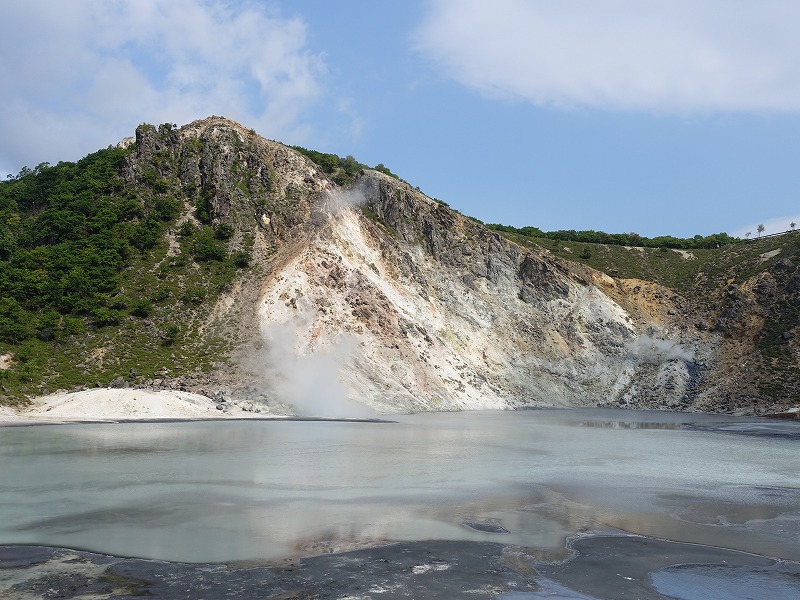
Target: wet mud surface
[599,567]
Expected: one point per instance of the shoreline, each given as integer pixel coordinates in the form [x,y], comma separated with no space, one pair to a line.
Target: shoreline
[112,405]
[600,564]
[127,405]
[141,405]
[287,418]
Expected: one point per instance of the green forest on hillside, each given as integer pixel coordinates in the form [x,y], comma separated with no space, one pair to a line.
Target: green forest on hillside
[84,264]
[66,231]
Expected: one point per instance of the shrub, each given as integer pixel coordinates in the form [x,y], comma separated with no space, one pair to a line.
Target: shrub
[166,208]
[48,325]
[202,211]
[14,321]
[146,235]
[207,246]
[119,302]
[186,229]
[142,308]
[223,231]
[160,294]
[242,259]
[194,295]
[73,325]
[170,334]
[103,316]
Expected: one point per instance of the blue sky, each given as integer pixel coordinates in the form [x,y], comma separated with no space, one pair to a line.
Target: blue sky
[663,117]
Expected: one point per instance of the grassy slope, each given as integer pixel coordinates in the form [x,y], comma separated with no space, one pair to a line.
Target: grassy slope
[704,272]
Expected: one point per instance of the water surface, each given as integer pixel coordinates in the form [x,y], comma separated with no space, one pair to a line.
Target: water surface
[222,491]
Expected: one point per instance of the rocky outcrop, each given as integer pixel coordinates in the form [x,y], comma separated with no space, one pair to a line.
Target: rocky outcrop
[380,295]
[419,308]
[229,174]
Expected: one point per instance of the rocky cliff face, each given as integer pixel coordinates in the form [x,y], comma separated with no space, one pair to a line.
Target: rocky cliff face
[380,295]
[440,313]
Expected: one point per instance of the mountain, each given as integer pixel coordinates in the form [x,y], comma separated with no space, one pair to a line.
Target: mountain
[236,264]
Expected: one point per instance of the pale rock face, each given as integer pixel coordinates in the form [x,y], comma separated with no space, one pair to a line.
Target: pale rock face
[468,322]
[378,297]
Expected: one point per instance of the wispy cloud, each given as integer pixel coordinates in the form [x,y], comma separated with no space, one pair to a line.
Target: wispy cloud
[78,75]
[660,55]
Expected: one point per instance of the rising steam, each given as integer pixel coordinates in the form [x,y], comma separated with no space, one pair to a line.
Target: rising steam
[337,199]
[309,382]
[291,370]
[656,351]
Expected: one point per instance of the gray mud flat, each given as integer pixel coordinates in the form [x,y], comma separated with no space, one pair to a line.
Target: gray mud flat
[639,567]
[601,567]
[411,570]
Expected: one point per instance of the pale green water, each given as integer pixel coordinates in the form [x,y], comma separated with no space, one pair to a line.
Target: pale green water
[221,491]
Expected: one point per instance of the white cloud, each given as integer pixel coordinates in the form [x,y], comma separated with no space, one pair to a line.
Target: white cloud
[655,55]
[79,75]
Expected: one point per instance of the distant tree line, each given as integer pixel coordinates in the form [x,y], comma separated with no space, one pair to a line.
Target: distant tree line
[621,239]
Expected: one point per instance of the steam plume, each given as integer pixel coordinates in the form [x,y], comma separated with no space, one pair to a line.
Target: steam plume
[655,351]
[309,382]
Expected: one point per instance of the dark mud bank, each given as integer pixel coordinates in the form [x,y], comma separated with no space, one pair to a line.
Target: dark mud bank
[599,567]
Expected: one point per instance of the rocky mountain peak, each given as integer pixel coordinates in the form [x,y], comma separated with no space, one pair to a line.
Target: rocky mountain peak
[404,304]
[373,294]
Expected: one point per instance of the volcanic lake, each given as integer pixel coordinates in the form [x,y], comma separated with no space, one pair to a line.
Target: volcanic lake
[217,491]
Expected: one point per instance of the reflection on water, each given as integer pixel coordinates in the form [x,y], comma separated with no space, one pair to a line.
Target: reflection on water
[218,491]
[631,425]
[784,429]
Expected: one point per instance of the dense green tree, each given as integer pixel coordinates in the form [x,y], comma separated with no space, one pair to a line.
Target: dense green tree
[142,308]
[14,321]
